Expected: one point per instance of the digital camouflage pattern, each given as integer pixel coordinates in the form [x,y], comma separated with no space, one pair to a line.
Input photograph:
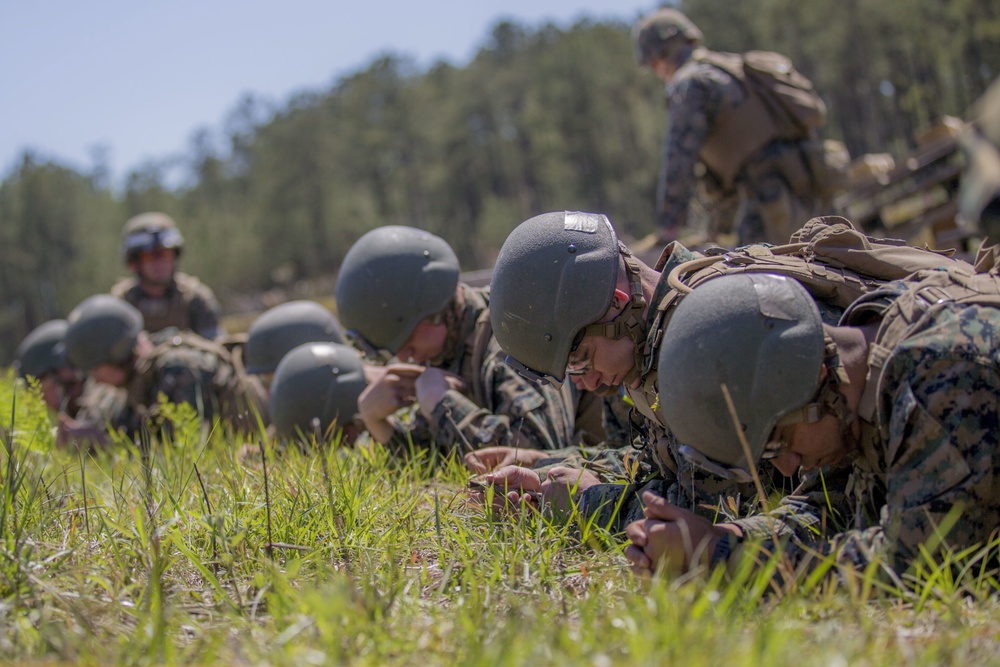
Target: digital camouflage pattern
[496,406]
[103,406]
[184,368]
[188,305]
[773,186]
[929,452]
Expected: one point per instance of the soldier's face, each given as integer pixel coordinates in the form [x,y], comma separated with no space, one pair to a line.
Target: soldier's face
[109,374]
[601,362]
[812,446]
[425,343]
[156,266]
[663,69]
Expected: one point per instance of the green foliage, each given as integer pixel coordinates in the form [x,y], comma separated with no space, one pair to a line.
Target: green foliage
[192,553]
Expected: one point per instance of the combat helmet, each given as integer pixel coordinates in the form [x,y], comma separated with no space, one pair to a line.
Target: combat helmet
[761,337]
[284,327]
[42,351]
[554,279]
[102,329]
[315,386]
[392,278]
[148,231]
[660,33]
[979,195]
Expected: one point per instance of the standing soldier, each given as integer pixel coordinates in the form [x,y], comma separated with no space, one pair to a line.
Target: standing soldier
[398,295]
[106,339]
[151,245]
[732,134]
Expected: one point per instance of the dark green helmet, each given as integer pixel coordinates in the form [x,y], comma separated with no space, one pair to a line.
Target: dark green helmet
[660,33]
[148,231]
[759,335]
[979,196]
[555,274]
[315,385]
[391,279]
[42,351]
[102,329]
[284,327]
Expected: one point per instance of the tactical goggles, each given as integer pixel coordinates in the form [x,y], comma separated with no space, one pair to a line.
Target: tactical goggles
[149,240]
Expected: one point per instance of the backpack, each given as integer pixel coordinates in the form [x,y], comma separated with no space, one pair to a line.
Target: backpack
[789,95]
[835,262]
[781,104]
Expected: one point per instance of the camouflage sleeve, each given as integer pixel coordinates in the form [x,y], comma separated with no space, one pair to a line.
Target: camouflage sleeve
[103,405]
[688,126]
[204,310]
[524,414]
[410,431]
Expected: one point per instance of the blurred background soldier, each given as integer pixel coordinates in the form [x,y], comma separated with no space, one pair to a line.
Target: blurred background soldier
[166,297]
[742,131]
[315,390]
[286,326]
[42,355]
[106,339]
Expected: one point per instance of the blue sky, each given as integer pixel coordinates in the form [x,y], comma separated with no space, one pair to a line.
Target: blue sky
[138,77]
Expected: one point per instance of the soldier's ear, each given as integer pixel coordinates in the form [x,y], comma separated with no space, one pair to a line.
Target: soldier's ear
[619,300]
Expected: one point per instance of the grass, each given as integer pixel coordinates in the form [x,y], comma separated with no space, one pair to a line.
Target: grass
[192,556]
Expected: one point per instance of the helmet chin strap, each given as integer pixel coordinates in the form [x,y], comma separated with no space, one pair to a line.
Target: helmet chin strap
[631,321]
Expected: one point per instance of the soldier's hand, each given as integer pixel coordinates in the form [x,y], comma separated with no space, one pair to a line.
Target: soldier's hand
[394,390]
[563,484]
[669,535]
[492,458]
[431,387]
[375,373]
[512,489]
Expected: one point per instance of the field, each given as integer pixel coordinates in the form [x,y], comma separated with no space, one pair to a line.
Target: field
[196,555]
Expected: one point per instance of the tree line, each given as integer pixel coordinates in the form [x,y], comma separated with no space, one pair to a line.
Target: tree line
[542,118]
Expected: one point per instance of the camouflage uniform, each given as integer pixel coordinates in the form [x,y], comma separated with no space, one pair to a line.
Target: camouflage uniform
[188,304]
[186,368]
[771,206]
[930,441]
[496,406]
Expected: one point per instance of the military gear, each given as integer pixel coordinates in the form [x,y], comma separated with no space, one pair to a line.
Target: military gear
[979,197]
[148,231]
[392,278]
[555,274]
[42,351]
[658,34]
[102,329]
[928,454]
[187,304]
[284,327]
[315,386]
[828,256]
[770,369]
[186,368]
[781,105]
